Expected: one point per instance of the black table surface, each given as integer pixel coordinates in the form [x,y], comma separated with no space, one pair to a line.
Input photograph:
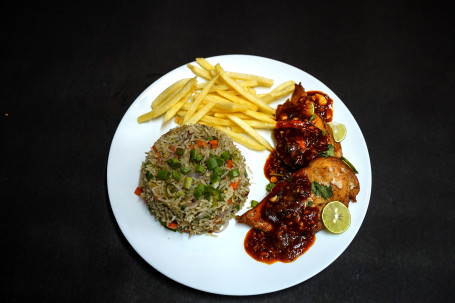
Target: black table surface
[69,73]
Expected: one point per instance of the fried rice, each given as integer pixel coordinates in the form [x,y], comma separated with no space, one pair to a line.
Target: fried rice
[194,180]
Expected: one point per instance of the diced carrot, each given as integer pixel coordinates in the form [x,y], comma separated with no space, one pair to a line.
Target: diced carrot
[213,143]
[229,201]
[191,146]
[138,191]
[201,143]
[172,147]
[154,147]
[229,163]
[157,154]
[235,184]
[172,225]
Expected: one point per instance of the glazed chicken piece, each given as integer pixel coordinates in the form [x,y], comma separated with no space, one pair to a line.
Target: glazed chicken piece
[302,132]
[296,193]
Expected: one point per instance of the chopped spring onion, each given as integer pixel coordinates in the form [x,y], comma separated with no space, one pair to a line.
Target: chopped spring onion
[193,154]
[199,169]
[214,178]
[220,161]
[188,182]
[218,170]
[185,169]
[199,190]
[225,155]
[163,174]
[234,173]
[174,163]
[176,175]
[171,189]
[211,163]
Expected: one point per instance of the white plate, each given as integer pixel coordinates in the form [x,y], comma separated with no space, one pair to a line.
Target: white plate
[220,264]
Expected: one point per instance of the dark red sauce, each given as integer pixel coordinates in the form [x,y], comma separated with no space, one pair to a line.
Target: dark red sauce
[298,106]
[298,141]
[297,146]
[275,167]
[325,111]
[294,225]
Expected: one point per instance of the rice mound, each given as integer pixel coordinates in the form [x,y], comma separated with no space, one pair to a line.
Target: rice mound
[207,202]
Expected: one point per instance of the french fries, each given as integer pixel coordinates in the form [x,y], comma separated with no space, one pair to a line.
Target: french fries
[167,104]
[223,99]
[248,129]
[199,99]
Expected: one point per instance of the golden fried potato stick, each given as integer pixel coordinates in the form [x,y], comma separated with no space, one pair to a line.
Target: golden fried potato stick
[197,116]
[224,105]
[251,144]
[224,87]
[260,124]
[198,100]
[177,106]
[265,107]
[283,85]
[168,91]
[205,64]
[208,119]
[237,99]
[249,130]
[230,107]
[237,129]
[199,71]
[261,80]
[216,121]
[168,102]
[260,116]
[274,95]
[224,115]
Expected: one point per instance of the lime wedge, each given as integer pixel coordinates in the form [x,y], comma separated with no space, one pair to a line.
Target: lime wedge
[336,217]
[338,131]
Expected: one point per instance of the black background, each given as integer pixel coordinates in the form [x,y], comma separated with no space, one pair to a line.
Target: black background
[70,71]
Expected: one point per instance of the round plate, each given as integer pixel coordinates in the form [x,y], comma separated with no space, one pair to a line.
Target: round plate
[220,264]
